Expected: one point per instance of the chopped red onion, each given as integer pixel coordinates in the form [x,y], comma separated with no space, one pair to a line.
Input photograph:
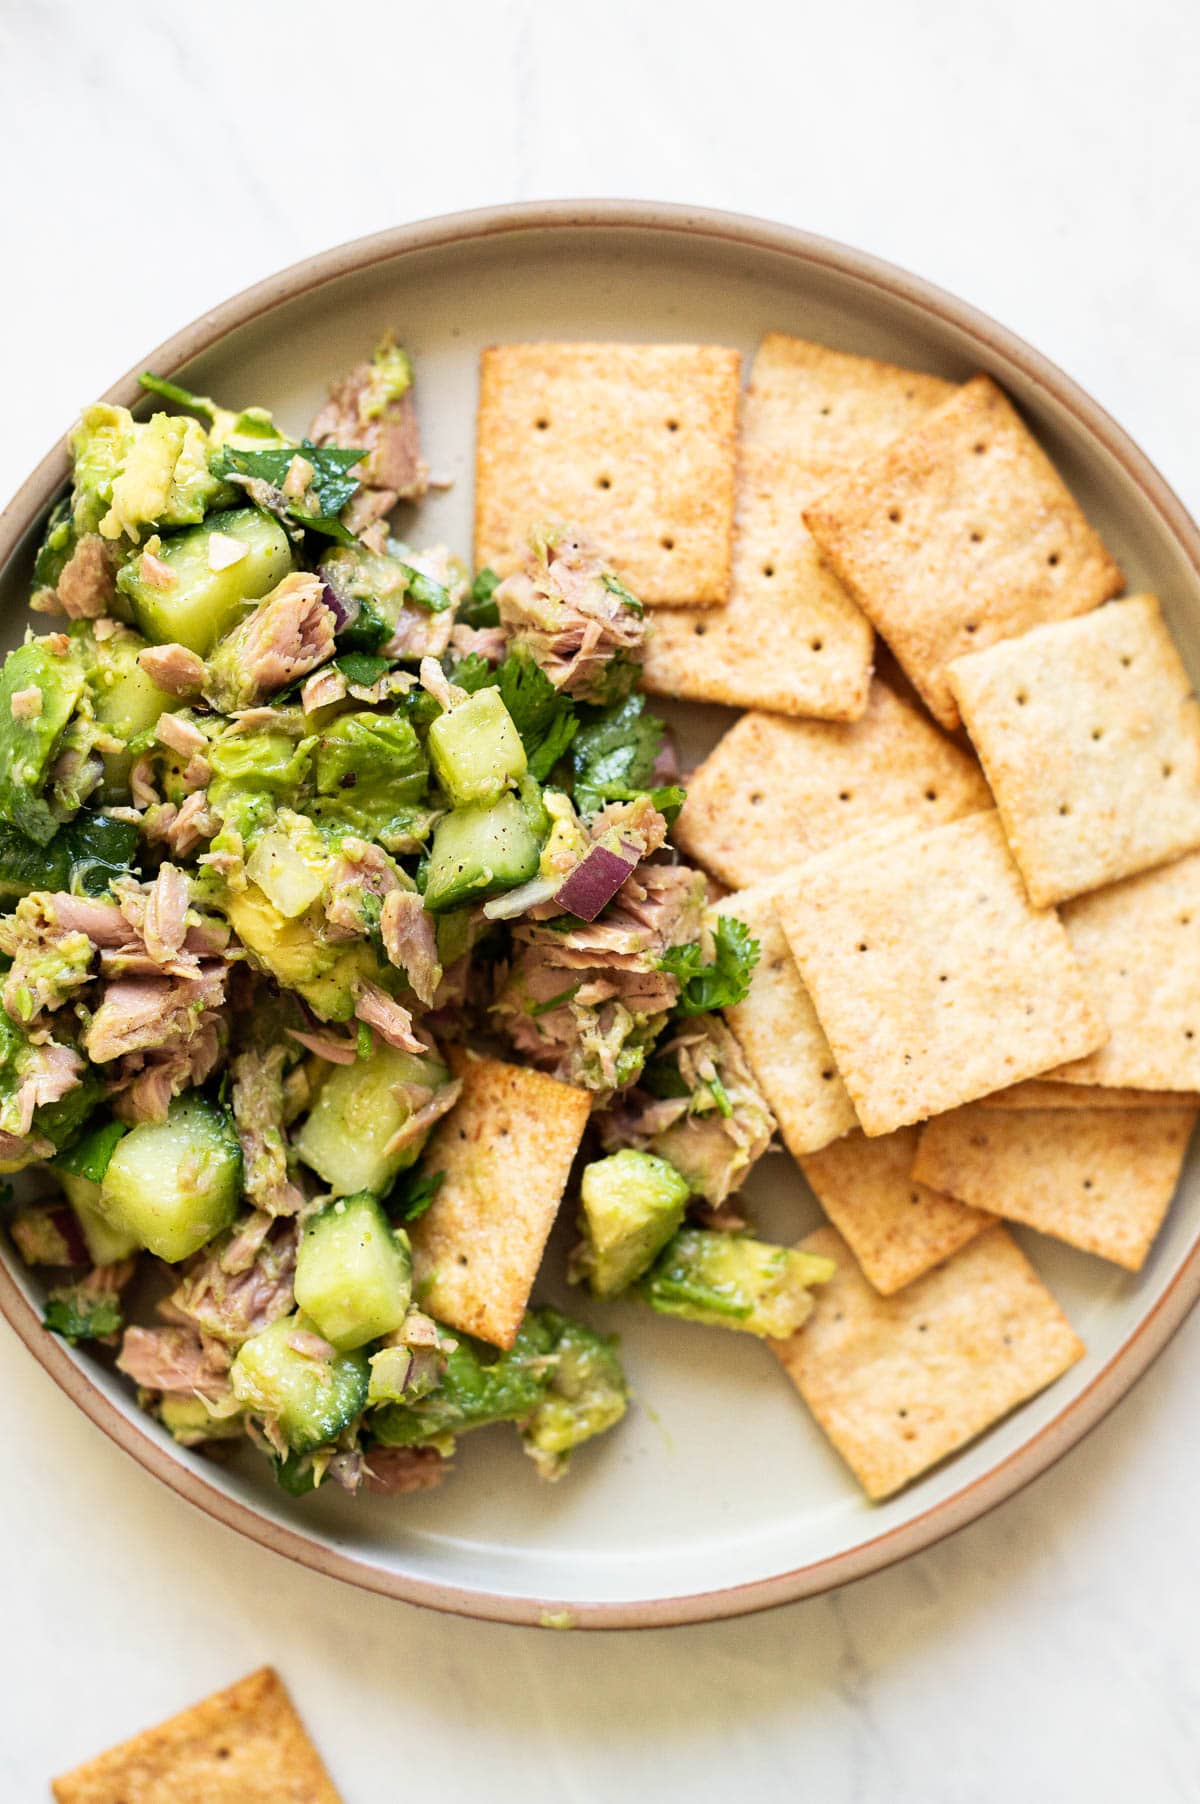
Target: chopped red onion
[343,607]
[596,879]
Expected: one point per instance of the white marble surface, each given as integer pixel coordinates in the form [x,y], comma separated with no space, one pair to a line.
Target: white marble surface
[1037,158]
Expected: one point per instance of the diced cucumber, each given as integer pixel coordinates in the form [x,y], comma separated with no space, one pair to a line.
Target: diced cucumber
[734,1281]
[173,1184]
[310,1400]
[476,749]
[479,851]
[207,596]
[105,1242]
[354,1272]
[345,1138]
[632,1204]
[126,701]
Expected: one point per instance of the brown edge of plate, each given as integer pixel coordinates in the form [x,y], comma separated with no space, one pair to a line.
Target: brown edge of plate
[996,346]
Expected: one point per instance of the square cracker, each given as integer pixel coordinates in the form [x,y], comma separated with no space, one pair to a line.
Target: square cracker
[1138,943]
[774,791]
[635,444]
[1052,1093]
[1100,1179]
[506,1149]
[245,1745]
[932,974]
[959,534]
[790,640]
[896,1228]
[1089,735]
[777,1029]
[897,1383]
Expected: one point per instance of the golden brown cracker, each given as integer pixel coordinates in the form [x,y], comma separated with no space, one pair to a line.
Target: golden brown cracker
[1052,1093]
[1138,943]
[506,1149]
[634,444]
[898,1383]
[790,641]
[960,534]
[245,1745]
[897,1229]
[1100,1179]
[777,1028]
[772,792]
[1089,735]
[934,977]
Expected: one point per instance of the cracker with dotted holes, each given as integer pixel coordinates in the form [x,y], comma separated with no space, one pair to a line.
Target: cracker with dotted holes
[1100,1179]
[777,1029]
[244,1745]
[1089,735]
[897,1228]
[960,534]
[1051,1093]
[634,444]
[934,977]
[772,792]
[790,640]
[1138,943]
[898,1383]
[506,1149]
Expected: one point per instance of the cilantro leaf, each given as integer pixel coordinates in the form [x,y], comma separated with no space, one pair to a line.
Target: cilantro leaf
[718,982]
[613,760]
[332,486]
[79,1314]
[362,667]
[414,1193]
[479,609]
[472,672]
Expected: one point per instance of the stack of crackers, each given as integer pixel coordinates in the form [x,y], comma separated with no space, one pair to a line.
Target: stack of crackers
[976,883]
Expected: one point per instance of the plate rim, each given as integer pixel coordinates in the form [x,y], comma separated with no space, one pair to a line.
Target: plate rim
[1139,1348]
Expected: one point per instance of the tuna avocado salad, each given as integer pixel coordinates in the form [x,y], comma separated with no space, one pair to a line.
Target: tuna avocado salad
[344,946]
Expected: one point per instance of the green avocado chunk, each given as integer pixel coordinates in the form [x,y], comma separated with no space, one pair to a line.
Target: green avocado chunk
[734,1281]
[480,1386]
[28,739]
[587,1394]
[632,1204]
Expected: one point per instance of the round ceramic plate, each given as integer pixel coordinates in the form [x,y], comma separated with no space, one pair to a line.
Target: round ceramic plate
[718,1494]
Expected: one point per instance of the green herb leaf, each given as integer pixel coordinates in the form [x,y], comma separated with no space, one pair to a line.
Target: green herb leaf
[89,1157]
[414,1193]
[79,1314]
[718,982]
[362,668]
[331,485]
[182,397]
[478,609]
[613,759]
